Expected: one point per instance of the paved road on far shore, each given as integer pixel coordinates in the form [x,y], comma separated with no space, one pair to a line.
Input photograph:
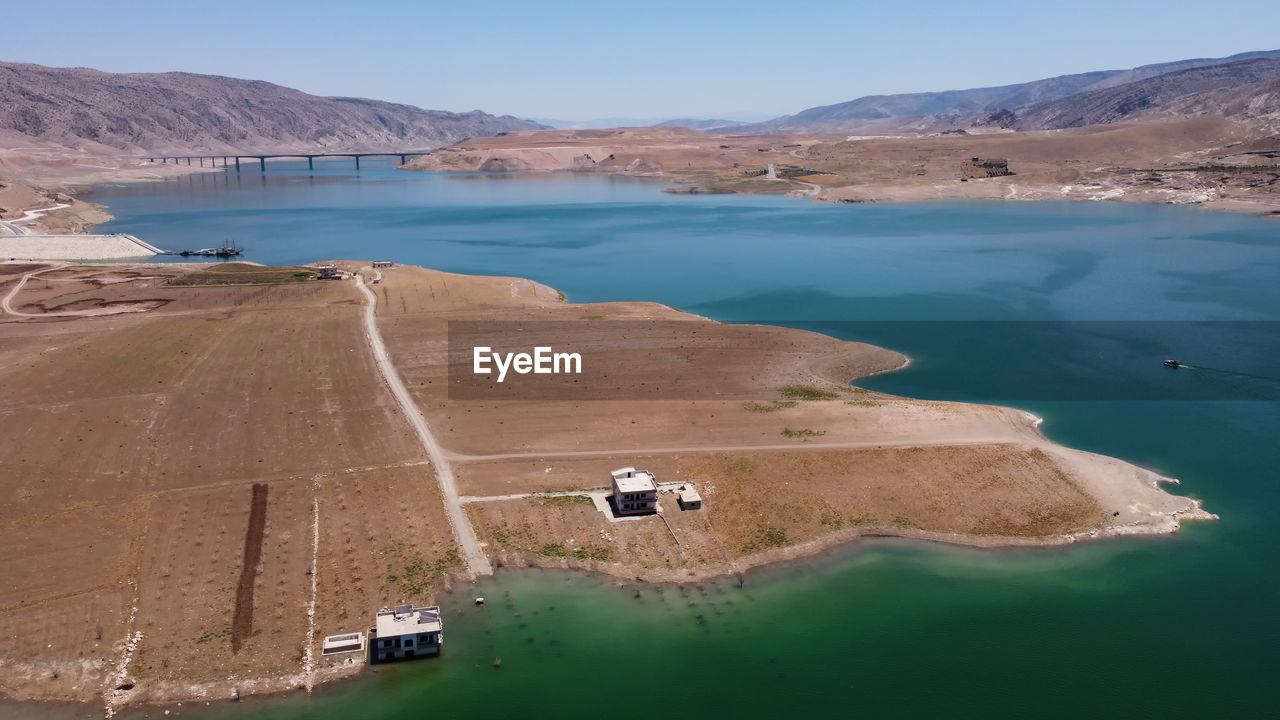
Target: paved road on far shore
[13,229]
[472,554]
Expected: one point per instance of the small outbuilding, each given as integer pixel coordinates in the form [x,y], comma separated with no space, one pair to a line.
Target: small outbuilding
[688,497]
[336,644]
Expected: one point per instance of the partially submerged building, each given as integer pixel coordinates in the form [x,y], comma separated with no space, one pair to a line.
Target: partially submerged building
[634,491]
[407,632]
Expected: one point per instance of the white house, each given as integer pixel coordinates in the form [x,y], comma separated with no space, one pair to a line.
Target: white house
[634,491]
[408,632]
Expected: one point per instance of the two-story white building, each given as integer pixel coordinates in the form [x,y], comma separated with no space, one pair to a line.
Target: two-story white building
[408,632]
[634,491]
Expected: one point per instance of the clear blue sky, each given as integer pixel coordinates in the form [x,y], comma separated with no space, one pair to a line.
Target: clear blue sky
[644,58]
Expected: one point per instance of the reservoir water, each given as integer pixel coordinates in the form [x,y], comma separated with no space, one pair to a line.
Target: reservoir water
[1063,309]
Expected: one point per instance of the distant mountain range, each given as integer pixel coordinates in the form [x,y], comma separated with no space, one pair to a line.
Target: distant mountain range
[618,122]
[1244,84]
[182,112]
[107,113]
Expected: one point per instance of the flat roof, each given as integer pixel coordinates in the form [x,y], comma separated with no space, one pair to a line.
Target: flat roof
[641,482]
[689,494]
[349,642]
[409,621]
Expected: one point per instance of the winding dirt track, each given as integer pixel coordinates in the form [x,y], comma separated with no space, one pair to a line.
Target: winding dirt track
[472,554]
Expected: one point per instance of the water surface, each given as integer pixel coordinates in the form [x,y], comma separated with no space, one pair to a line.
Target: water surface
[1063,309]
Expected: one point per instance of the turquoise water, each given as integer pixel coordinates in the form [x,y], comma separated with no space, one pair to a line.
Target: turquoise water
[1062,309]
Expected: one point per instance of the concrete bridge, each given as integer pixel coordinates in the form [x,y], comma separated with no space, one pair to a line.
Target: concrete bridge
[262,159]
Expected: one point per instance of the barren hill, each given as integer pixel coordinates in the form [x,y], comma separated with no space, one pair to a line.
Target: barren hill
[106,113]
[1006,105]
[1248,90]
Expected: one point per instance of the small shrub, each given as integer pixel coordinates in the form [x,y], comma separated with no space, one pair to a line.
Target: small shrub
[553,549]
[803,432]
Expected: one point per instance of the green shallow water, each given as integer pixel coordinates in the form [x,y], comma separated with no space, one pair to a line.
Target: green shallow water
[1181,626]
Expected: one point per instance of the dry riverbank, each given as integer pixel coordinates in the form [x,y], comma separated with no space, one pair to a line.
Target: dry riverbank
[1204,160]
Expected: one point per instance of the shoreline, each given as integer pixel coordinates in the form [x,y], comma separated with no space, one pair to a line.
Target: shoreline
[1164,521]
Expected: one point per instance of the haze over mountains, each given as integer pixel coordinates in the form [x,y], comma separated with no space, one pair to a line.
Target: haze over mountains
[110,113]
[1244,85]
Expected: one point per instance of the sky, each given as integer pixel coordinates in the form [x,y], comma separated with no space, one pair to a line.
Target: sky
[642,59]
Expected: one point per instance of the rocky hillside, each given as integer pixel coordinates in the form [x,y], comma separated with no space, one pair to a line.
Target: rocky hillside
[110,113]
[1026,104]
[1244,90]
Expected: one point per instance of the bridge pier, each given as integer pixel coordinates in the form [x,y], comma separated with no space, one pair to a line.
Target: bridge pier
[202,162]
[262,162]
[311,162]
[357,163]
[237,163]
[402,159]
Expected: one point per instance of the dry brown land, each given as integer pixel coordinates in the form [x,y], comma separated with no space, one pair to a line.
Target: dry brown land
[778,474]
[1178,160]
[144,404]
[133,444]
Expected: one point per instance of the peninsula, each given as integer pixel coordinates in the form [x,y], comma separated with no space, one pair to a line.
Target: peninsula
[357,459]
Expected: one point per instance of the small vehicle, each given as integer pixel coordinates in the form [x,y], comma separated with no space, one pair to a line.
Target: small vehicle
[1172,363]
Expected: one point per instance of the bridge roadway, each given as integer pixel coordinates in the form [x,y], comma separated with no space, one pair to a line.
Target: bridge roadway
[263,158]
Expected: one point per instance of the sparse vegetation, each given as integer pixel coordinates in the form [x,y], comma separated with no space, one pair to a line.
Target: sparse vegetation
[553,549]
[235,273]
[593,552]
[806,392]
[741,466]
[862,403]
[414,575]
[774,406]
[224,632]
[564,500]
[769,537]
[802,432]
[592,317]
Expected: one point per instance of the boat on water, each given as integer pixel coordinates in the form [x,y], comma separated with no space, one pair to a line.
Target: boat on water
[1172,363]
[224,251]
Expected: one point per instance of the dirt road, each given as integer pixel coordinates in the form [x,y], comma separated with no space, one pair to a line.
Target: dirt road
[477,562]
[460,458]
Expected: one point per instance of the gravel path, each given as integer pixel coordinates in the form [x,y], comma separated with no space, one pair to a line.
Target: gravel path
[474,557]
